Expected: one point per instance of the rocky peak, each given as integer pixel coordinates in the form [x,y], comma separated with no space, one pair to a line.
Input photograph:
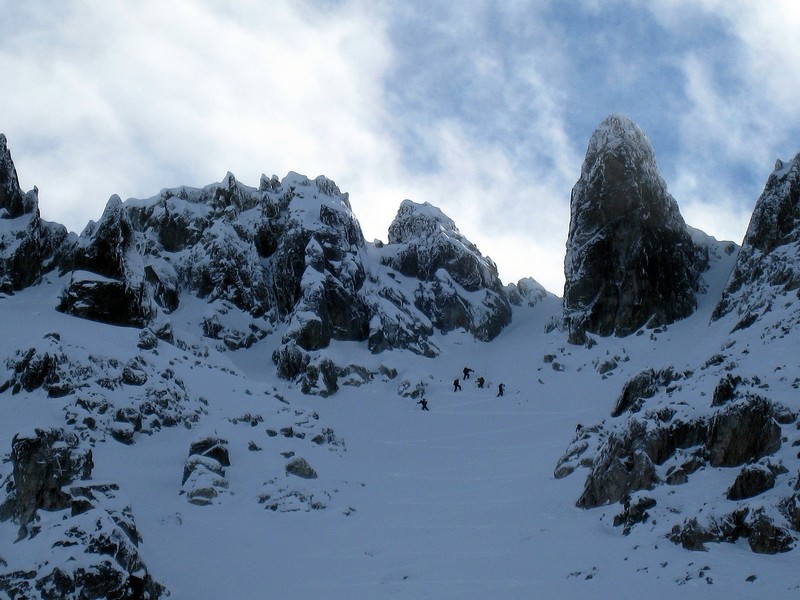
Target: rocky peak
[767,266]
[630,258]
[620,135]
[425,244]
[776,217]
[29,246]
[428,240]
[418,221]
[12,200]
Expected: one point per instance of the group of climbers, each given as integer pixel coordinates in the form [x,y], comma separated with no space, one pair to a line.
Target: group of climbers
[480,381]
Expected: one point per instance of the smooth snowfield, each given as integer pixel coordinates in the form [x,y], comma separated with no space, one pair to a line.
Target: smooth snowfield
[458,502]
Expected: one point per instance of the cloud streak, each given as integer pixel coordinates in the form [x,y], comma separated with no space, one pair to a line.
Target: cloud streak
[481,108]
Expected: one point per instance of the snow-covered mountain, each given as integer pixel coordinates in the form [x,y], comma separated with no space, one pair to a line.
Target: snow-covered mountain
[214,393]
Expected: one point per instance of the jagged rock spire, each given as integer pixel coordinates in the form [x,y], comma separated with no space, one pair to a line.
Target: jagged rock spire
[767,265]
[34,244]
[13,203]
[630,260]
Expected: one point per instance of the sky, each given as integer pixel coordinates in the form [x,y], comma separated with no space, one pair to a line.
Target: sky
[481,108]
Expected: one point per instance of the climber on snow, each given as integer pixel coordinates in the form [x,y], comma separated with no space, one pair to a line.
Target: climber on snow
[456,385]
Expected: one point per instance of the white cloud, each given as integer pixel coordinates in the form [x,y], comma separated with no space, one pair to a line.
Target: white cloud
[135,97]
[739,114]
[480,108]
[143,95]
[518,216]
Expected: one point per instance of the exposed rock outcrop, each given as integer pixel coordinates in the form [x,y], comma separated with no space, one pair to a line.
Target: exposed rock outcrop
[643,386]
[751,481]
[526,291]
[13,203]
[763,535]
[92,551]
[657,439]
[108,282]
[630,259]
[299,467]
[44,463]
[84,379]
[626,461]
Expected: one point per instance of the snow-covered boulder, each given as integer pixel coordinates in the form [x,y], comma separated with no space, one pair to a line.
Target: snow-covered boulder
[204,473]
[630,259]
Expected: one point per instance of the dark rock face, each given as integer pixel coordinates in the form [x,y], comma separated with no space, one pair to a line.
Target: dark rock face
[767,266]
[43,464]
[751,482]
[742,432]
[107,282]
[13,203]
[630,259]
[623,467]
[35,368]
[29,247]
[212,447]
[643,386]
[726,389]
[634,512]
[104,300]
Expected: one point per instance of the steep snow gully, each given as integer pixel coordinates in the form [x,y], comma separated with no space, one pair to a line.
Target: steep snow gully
[224,443]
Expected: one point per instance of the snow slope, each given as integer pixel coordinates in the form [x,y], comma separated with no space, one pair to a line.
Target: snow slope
[458,502]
